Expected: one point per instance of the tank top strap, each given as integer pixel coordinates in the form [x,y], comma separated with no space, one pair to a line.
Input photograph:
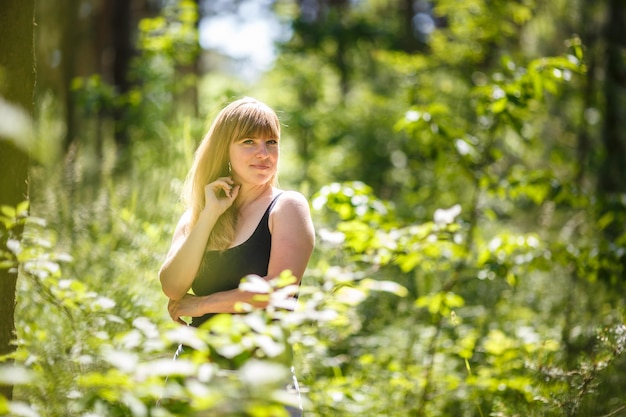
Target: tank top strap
[271,206]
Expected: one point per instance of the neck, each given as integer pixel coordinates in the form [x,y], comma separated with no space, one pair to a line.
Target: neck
[249,195]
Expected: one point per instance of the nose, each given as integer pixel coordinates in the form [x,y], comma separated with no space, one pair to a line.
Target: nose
[261,150]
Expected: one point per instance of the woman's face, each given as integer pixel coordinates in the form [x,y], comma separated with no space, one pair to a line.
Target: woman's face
[254,161]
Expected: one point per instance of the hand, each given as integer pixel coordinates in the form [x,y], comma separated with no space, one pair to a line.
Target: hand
[213,197]
[188,306]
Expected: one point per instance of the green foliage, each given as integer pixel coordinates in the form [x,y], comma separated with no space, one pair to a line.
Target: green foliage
[117,365]
[477,30]
[172,34]
[477,349]
[463,267]
[93,96]
[167,44]
[160,79]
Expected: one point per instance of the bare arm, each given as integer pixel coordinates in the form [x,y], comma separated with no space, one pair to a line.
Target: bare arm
[293,239]
[185,255]
[293,236]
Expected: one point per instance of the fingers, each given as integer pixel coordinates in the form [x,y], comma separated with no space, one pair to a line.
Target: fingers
[221,184]
[224,185]
[228,189]
[234,192]
[172,309]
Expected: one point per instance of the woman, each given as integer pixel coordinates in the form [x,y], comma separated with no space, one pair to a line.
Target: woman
[238,221]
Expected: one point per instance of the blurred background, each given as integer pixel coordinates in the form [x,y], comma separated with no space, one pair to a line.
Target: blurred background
[465,162]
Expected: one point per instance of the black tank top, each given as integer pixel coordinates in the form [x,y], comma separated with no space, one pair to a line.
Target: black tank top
[223,270]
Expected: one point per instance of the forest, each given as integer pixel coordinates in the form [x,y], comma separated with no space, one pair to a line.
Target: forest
[465,164]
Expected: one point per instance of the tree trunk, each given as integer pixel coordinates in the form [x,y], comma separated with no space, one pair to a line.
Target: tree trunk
[16,87]
[613,173]
[122,45]
[69,48]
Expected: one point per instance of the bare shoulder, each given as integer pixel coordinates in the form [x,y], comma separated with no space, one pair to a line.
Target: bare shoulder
[291,200]
[291,210]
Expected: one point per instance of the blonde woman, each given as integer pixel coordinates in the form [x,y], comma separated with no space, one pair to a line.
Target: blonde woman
[238,222]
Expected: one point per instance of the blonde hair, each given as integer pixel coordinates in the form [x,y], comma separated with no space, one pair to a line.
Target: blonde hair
[244,118]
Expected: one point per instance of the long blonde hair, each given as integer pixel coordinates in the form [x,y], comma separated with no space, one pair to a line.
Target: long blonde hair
[244,118]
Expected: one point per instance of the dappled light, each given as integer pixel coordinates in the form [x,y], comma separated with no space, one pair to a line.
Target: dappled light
[464,162]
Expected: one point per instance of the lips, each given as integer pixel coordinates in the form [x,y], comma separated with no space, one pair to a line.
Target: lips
[260,166]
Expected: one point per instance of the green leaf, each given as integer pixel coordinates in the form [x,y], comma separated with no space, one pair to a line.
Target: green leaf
[22,208]
[4,406]
[497,343]
[387,286]
[440,303]
[8,211]
[499,105]
[6,264]
[606,220]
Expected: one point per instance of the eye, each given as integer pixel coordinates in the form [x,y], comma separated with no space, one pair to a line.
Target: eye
[247,141]
[272,142]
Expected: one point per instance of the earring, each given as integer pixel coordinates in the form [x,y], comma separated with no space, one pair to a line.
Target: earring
[230,168]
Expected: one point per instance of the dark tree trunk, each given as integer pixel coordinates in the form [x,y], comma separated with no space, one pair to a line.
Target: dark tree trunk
[612,175]
[123,50]
[99,42]
[408,41]
[70,38]
[591,37]
[613,171]
[16,87]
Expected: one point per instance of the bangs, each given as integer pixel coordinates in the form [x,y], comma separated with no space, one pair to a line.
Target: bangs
[263,130]
[255,120]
